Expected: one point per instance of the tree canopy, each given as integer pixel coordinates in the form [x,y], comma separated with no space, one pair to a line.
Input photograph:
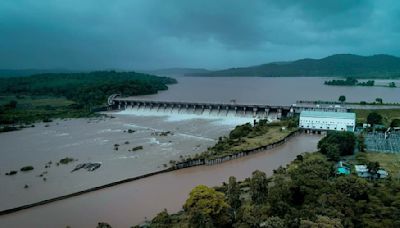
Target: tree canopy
[207,207]
[344,141]
[85,88]
[374,118]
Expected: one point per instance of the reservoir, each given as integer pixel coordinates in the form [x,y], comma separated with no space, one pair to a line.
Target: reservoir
[272,91]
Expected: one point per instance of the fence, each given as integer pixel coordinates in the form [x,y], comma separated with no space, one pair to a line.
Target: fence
[377,142]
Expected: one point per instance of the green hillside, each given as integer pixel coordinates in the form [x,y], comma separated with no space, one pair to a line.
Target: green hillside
[340,65]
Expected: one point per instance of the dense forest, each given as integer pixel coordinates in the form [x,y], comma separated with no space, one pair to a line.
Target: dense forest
[307,193]
[65,95]
[85,88]
[376,66]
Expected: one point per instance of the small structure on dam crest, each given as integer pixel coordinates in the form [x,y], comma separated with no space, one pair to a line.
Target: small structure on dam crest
[326,121]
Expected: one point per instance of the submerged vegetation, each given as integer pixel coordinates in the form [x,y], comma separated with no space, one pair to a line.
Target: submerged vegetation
[66,160]
[24,100]
[307,193]
[26,168]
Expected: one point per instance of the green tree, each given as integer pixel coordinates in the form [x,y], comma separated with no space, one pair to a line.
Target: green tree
[259,187]
[352,186]
[241,131]
[374,118]
[332,152]
[162,220]
[395,123]
[361,142]
[251,216]
[344,140]
[207,208]
[321,222]
[273,222]
[233,193]
[342,98]
[379,100]
[103,225]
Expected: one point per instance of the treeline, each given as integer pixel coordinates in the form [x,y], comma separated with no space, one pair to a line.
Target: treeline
[24,100]
[88,89]
[349,82]
[307,193]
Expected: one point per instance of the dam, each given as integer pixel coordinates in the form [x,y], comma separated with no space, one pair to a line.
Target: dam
[233,109]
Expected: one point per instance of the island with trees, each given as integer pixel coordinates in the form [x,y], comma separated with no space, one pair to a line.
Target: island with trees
[349,82]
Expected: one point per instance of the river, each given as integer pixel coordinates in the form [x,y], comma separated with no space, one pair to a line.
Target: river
[128,204]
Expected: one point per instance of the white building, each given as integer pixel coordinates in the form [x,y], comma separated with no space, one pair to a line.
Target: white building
[336,121]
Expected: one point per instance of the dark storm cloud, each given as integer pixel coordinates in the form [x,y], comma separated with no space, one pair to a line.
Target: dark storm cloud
[144,34]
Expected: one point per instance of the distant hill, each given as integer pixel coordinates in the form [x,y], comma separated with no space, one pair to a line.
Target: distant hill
[178,71]
[29,72]
[340,65]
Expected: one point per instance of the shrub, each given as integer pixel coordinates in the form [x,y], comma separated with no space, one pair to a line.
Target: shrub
[26,168]
[395,123]
[137,148]
[240,131]
[374,118]
[12,172]
[66,160]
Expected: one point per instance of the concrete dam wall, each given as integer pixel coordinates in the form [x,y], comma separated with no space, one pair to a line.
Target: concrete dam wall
[204,109]
[255,111]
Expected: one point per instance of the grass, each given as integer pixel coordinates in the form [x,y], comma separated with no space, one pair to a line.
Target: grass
[31,109]
[387,114]
[36,102]
[257,136]
[389,161]
[271,135]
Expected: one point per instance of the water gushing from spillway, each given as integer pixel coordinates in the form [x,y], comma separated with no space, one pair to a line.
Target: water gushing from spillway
[220,116]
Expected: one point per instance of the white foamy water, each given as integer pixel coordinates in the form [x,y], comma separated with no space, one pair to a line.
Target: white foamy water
[93,141]
[174,116]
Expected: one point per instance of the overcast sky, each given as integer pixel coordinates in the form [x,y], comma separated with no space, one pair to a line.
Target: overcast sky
[149,34]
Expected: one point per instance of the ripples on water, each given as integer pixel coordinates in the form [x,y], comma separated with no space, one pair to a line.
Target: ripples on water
[93,140]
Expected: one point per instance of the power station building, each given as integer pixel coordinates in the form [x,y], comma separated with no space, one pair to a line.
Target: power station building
[325,121]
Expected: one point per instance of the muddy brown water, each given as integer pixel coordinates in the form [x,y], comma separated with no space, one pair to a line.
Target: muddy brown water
[129,204]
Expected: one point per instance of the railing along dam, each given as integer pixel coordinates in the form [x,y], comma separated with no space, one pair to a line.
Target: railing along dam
[116,102]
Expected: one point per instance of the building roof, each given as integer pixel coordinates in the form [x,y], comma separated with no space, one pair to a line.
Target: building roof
[336,115]
[361,168]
